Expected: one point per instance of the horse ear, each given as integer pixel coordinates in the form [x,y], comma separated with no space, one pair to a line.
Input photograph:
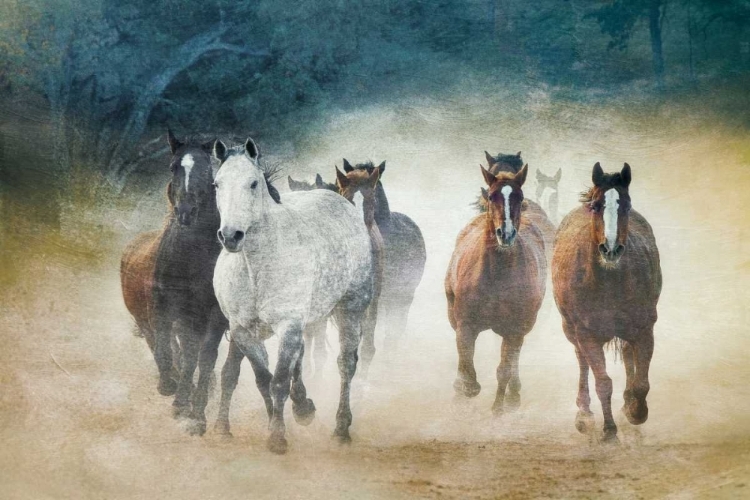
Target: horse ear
[381,167]
[539,175]
[319,182]
[252,149]
[488,177]
[518,155]
[341,179]
[490,159]
[174,144]
[626,175]
[208,146]
[558,175]
[597,176]
[521,175]
[347,166]
[485,194]
[273,192]
[220,150]
[374,177]
[293,185]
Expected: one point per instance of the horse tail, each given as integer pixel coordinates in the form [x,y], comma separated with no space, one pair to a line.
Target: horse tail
[615,345]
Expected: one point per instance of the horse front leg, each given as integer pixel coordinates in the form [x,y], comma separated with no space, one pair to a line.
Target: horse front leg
[209,351]
[584,417]
[230,374]
[350,331]
[513,399]
[190,347]
[593,351]
[369,324]
[290,348]
[466,380]
[163,356]
[302,407]
[636,410]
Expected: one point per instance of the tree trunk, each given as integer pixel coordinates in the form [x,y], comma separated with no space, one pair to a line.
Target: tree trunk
[654,25]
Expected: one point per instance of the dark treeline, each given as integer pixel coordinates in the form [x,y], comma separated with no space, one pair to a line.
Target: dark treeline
[113,73]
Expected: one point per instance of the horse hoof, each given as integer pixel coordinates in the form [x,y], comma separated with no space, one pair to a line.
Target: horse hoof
[304,413]
[277,444]
[167,387]
[467,388]
[609,436]
[584,422]
[197,427]
[497,410]
[222,428]
[635,412]
[512,402]
[342,436]
[180,411]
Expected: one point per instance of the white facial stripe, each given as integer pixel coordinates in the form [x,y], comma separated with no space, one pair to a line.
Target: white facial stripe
[359,202]
[611,202]
[187,163]
[506,190]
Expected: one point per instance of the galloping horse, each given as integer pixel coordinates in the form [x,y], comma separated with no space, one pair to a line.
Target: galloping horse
[404,259]
[285,265]
[358,187]
[166,279]
[496,280]
[551,183]
[606,280]
[532,211]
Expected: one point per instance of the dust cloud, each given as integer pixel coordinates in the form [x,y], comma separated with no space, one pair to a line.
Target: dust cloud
[80,416]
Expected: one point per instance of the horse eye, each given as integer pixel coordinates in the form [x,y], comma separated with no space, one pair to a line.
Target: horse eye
[254,185]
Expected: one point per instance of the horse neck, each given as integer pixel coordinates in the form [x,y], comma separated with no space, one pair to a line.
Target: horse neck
[382,209]
[369,205]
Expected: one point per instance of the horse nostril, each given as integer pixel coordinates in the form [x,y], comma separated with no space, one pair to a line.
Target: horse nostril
[603,249]
[220,235]
[238,235]
[499,232]
[619,249]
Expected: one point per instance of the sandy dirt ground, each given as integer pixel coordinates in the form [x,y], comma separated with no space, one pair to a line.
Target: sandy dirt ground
[80,416]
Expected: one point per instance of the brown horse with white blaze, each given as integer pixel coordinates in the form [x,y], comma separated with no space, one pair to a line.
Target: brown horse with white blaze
[606,281]
[496,280]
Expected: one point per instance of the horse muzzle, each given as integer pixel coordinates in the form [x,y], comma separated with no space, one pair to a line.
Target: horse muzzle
[611,257]
[506,239]
[231,239]
[185,213]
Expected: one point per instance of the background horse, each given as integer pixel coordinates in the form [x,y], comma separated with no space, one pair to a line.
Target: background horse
[404,259]
[284,265]
[549,184]
[166,279]
[309,186]
[496,280]
[607,280]
[532,211]
[359,188]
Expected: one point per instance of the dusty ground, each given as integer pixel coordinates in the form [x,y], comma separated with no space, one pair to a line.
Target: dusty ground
[80,416]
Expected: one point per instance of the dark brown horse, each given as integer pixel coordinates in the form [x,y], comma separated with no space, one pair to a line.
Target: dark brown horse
[359,188]
[532,211]
[166,279]
[496,280]
[607,280]
[403,260]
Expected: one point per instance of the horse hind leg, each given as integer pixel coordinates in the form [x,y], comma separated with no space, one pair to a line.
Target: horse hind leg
[398,315]
[303,408]
[369,324]
[584,418]
[509,353]
[190,347]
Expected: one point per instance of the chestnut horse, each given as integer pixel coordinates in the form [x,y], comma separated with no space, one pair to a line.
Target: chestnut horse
[532,211]
[606,281]
[166,279]
[496,280]
[404,258]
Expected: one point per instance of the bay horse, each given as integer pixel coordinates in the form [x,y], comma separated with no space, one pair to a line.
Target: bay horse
[166,279]
[606,280]
[358,187]
[284,265]
[496,280]
[404,258]
[513,163]
[549,183]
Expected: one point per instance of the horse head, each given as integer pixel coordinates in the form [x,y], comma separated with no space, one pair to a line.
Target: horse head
[609,204]
[309,186]
[190,191]
[504,200]
[243,192]
[358,186]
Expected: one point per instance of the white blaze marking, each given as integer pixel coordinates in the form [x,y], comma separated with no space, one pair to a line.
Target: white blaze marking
[506,190]
[611,202]
[359,202]
[187,163]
